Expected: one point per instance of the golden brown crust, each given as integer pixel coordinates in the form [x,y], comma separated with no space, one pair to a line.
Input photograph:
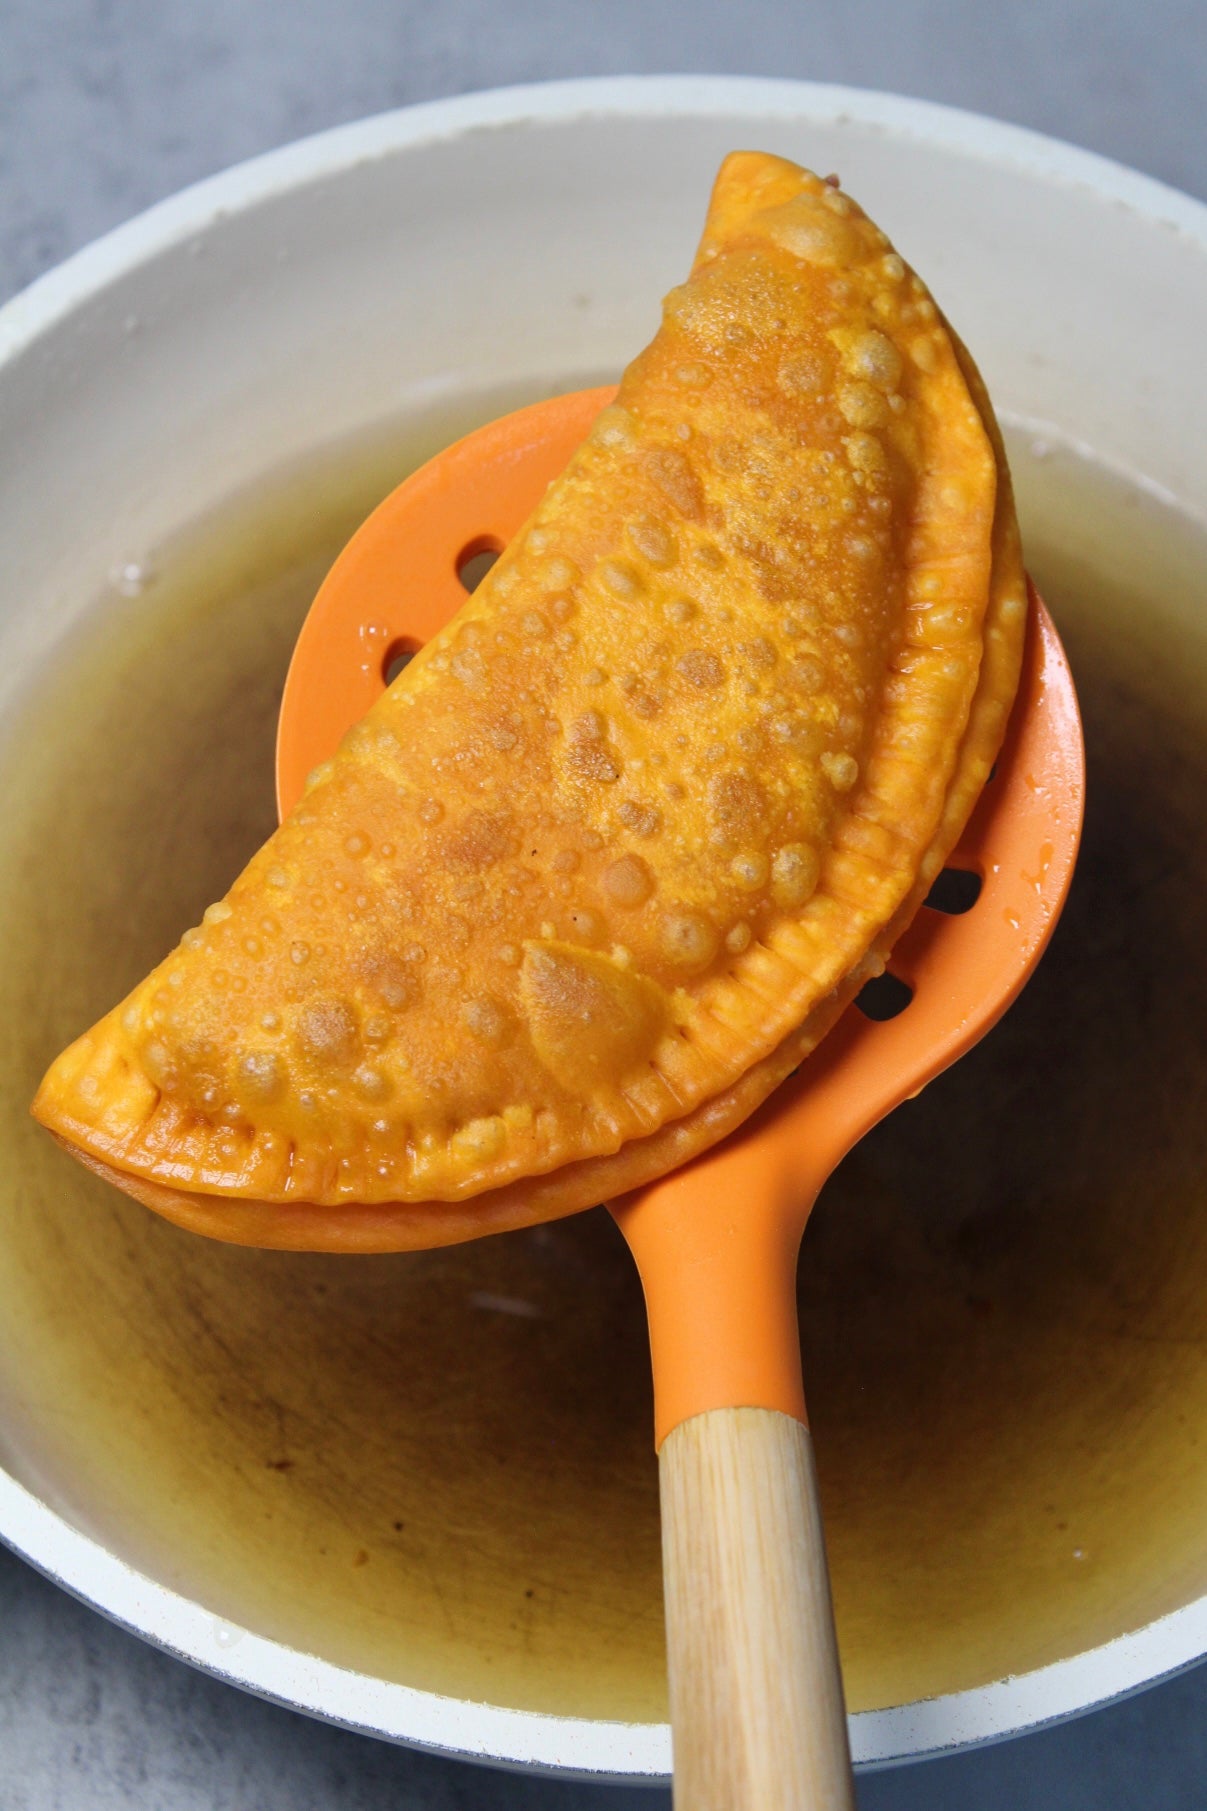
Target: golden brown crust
[416,1226]
[725,704]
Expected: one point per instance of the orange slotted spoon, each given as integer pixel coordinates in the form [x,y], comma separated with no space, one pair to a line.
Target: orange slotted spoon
[755,1691]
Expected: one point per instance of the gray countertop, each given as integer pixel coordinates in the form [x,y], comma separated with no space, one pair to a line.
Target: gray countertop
[105,108]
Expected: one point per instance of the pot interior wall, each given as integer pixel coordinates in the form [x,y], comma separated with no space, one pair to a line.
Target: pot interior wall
[437,1469]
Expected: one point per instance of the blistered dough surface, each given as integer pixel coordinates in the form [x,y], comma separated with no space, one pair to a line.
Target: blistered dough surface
[618,833]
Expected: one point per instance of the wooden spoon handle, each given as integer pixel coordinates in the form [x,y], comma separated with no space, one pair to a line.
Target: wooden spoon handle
[757,1711]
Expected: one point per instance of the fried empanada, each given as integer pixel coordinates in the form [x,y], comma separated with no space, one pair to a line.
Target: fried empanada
[617,846]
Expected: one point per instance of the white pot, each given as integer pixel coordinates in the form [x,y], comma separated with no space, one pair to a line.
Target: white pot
[519,242]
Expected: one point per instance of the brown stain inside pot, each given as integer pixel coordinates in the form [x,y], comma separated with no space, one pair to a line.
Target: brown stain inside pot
[438,1468]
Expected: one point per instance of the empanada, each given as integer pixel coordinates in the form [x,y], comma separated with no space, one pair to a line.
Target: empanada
[620,842]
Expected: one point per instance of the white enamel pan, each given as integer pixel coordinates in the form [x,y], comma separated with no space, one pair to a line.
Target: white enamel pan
[472,1573]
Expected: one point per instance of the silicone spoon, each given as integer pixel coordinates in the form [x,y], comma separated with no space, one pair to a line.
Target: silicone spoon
[757,1709]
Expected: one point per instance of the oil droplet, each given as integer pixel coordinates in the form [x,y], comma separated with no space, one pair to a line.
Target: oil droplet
[130,579]
[486,1019]
[700,668]
[688,939]
[628,881]
[750,871]
[505,1304]
[374,638]
[620,578]
[794,874]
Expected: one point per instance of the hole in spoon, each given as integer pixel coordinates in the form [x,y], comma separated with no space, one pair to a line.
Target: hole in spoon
[956,890]
[883,997]
[398,655]
[476,559]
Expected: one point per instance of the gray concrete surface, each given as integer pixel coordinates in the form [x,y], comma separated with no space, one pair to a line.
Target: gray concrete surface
[107,105]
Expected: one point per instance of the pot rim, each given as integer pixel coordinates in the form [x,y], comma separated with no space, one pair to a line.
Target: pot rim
[583,1747]
[244,185]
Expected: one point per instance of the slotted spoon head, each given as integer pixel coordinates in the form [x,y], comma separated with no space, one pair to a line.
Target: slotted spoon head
[734,1216]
